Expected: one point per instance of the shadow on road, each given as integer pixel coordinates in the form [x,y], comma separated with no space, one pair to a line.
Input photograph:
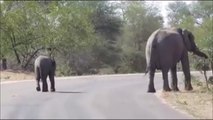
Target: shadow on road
[71,92]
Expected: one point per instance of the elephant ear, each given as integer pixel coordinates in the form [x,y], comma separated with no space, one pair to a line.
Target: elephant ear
[188,38]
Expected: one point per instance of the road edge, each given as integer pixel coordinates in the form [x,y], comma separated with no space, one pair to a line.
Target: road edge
[158,94]
[70,77]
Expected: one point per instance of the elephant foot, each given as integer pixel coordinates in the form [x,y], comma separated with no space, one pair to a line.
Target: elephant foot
[175,89]
[151,90]
[38,88]
[44,90]
[166,89]
[188,87]
[52,90]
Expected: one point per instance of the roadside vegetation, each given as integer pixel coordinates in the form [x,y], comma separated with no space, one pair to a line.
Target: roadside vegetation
[87,37]
[14,75]
[198,103]
[94,37]
[102,37]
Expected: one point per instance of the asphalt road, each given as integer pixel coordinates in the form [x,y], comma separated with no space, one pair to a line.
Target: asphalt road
[95,97]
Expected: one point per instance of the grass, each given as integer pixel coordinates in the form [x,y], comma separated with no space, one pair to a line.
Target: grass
[198,102]
[16,75]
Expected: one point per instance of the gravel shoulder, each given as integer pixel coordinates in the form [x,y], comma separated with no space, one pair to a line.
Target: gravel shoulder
[198,103]
[12,75]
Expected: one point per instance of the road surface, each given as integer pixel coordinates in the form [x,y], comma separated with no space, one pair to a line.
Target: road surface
[87,97]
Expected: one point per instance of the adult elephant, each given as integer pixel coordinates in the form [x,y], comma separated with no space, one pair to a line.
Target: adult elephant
[164,49]
[45,66]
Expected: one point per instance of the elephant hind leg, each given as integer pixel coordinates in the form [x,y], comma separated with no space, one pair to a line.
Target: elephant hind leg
[52,82]
[151,87]
[165,80]
[44,83]
[174,83]
[38,88]
[38,77]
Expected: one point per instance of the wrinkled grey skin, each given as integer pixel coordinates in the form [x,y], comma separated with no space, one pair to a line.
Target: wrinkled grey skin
[164,49]
[45,66]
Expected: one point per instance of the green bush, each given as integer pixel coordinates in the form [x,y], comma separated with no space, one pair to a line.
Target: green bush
[64,70]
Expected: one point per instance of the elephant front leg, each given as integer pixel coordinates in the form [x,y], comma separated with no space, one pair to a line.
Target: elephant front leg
[174,83]
[151,87]
[186,71]
[165,80]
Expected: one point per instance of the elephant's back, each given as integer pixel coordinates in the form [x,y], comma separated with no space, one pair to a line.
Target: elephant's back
[165,38]
[170,45]
[42,61]
[170,40]
[164,48]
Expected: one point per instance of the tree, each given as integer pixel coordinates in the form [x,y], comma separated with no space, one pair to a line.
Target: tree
[198,19]
[203,13]
[177,12]
[31,26]
[75,35]
[141,20]
[23,29]
[107,27]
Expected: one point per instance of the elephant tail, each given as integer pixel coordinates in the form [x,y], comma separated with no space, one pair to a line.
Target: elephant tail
[151,51]
[147,70]
[151,55]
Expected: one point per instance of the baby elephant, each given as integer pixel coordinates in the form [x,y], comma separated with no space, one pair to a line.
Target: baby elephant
[45,66]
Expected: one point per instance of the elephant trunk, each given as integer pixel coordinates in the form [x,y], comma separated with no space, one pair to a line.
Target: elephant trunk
[199,53]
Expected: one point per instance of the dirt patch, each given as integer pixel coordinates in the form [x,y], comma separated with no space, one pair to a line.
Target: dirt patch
[198,103]
[16,75]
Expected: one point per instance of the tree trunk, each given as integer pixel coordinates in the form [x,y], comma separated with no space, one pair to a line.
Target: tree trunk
[212,67]
[31,57]
[206,80]
[17,56]
[4,63]
[12,39]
